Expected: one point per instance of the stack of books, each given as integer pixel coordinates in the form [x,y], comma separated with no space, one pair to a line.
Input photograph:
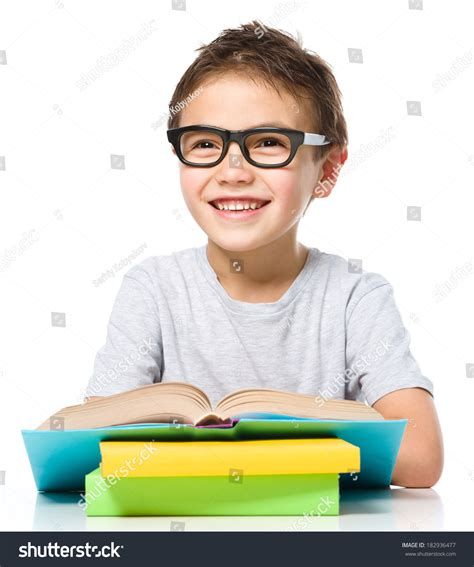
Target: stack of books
[259,451]
[268,477]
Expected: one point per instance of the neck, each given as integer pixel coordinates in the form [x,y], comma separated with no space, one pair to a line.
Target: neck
[259,275]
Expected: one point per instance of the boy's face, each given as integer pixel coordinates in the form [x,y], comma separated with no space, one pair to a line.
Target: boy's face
[236,103]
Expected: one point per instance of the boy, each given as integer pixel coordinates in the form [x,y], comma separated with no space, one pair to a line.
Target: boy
[254,307]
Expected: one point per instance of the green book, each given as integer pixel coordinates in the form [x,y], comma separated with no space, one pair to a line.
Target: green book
[232,495]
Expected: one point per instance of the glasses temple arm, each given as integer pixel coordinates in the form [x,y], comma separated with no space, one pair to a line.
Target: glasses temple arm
[315,139]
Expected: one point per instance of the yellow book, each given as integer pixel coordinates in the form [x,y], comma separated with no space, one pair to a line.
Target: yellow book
[219,458]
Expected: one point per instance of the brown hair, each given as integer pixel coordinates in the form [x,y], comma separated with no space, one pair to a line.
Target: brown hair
[277,59]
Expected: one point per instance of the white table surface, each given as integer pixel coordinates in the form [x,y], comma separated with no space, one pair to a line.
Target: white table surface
[445,507]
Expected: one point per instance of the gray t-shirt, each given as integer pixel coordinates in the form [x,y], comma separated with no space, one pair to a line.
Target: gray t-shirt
[334,333]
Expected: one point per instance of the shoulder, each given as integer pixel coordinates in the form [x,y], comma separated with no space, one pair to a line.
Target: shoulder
[164,267]
[347,278]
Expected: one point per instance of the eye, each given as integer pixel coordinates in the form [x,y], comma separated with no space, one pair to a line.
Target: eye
[203,145]
[270,142]
[200,145]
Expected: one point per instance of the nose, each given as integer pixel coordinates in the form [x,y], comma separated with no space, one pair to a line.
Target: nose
[234,168]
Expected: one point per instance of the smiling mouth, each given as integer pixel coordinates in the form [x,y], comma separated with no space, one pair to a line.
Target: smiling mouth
[237,205]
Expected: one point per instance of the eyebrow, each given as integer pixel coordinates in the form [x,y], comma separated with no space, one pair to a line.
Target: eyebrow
[273,123]
[269,124]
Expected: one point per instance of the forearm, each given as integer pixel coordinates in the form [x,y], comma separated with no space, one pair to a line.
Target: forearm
[420,459]
[421,455]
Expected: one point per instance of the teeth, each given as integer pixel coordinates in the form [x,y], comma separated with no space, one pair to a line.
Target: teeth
[238,206]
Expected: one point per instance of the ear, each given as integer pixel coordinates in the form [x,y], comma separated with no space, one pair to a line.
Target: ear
[331,167]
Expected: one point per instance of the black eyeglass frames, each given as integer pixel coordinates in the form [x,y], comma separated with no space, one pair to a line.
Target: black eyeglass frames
[206,146]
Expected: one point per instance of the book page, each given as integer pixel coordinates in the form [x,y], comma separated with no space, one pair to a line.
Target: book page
[164,402]
[293,404]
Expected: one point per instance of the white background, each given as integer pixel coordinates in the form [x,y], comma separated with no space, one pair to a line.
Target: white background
[66,216]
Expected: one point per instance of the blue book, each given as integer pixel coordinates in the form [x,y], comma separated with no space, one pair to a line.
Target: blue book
[60,459]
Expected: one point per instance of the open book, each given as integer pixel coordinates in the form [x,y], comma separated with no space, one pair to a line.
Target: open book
[179,402]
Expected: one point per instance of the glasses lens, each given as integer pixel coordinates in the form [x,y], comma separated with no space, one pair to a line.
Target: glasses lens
[268,147]
[201,146]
